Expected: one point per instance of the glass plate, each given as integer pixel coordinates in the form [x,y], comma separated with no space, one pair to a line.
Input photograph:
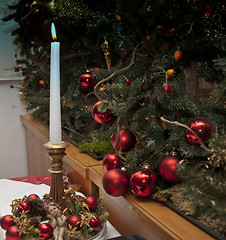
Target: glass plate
[101,235]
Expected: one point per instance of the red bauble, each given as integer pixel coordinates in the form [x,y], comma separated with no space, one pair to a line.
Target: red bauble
[92,203]
[111,161]
[86,81]
[202,127]
[13,233]
[74,222]
[166,87]
[126,141]
[33,196]
[168,169]
[102,117]
[143,183]
[7,221]
[115,182]
[127,81]
[24,206]
[95,223]
[125,53]
[45,230]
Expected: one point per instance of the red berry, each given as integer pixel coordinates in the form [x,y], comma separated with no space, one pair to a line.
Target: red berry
[127,81]
[11,86]
[208,6]
[178,55]
[166,87]
[118,18]
[208,15]
[24,72]
[26,90]
[172,31]
[159,27]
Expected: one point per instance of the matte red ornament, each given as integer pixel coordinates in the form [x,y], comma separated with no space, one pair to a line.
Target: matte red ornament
[95,223]
[126,141]
[13,233]
[125,53]
[168,169]
[7,221]
[127,81]
[74,222]
[101,117]
[203,127]
[111,161]
[166,87]
[115,182]
[24,206]
[45,230]
[143,183]
[92,203]
[33,196]
[86,81]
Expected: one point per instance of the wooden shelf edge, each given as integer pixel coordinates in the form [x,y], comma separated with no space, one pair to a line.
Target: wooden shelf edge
[149,213]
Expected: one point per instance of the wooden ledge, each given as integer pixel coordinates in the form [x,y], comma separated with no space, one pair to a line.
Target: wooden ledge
[130,215]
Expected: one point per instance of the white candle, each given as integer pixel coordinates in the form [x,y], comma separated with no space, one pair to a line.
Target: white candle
[55,104]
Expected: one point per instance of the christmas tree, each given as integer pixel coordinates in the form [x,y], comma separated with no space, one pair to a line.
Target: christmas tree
[134,69]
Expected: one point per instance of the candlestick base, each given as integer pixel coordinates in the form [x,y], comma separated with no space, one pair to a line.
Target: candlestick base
[56,152]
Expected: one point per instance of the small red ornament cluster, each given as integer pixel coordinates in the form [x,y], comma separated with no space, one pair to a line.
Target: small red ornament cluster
[45,229]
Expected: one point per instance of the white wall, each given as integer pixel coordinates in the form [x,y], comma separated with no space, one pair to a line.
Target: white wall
[13,161]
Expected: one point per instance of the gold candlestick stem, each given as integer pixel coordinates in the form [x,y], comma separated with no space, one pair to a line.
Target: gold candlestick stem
[56,153]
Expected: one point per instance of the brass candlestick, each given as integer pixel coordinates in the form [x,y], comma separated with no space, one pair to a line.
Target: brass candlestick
[56,153]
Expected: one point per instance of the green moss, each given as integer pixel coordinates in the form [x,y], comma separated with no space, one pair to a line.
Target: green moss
[99,148]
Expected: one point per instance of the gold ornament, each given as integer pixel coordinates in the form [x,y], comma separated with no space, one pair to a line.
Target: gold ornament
[107,54]
[34,7]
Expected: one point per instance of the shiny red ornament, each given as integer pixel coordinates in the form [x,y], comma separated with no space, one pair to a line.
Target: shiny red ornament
[74,222]
[203,127]
[102,117]
[111,161]
[166,87]
[13,233]
[33,196]
[95,223]
[7,221]
[126,141]
[91,202]
[143,183]
[86,81]
[46,230]
[127,81]
[24,206]
[168,169]
[115,182]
